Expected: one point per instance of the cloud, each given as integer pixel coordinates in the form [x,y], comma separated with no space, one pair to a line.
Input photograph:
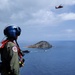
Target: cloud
[33,11]
[30,13]
[67,16]
[70,2]
[67,34]
[3,4]
[69,30]
[42,17]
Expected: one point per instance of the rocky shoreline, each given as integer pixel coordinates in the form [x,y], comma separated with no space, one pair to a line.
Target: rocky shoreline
[41,44]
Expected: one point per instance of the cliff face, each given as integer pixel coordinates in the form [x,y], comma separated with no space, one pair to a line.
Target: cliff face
[41,44]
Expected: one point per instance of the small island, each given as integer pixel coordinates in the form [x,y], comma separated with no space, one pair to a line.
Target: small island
[41,44]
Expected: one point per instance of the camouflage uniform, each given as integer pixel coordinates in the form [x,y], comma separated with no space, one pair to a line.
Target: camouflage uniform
[10,59]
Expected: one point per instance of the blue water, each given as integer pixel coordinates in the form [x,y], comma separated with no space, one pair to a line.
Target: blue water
[58,60]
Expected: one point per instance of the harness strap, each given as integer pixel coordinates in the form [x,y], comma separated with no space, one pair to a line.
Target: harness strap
[3,43]
[19,53]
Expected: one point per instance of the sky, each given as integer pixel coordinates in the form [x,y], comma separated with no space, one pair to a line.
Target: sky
[38,19]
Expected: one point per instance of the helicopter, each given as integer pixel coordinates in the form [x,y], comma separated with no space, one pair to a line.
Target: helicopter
[58,7]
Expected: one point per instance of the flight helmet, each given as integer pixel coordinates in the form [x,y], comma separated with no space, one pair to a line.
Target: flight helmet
[12,32]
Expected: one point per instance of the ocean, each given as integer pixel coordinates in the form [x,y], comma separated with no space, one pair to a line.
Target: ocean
[58,60]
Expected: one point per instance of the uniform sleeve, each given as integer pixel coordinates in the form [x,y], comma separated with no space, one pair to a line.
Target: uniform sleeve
[14,61]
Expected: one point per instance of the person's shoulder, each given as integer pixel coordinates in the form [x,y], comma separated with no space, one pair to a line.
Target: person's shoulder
[10,43]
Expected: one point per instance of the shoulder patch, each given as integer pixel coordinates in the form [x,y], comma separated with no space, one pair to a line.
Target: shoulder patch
[14,49]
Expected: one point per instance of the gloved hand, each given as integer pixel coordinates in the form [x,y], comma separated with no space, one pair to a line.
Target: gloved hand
[21,62]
